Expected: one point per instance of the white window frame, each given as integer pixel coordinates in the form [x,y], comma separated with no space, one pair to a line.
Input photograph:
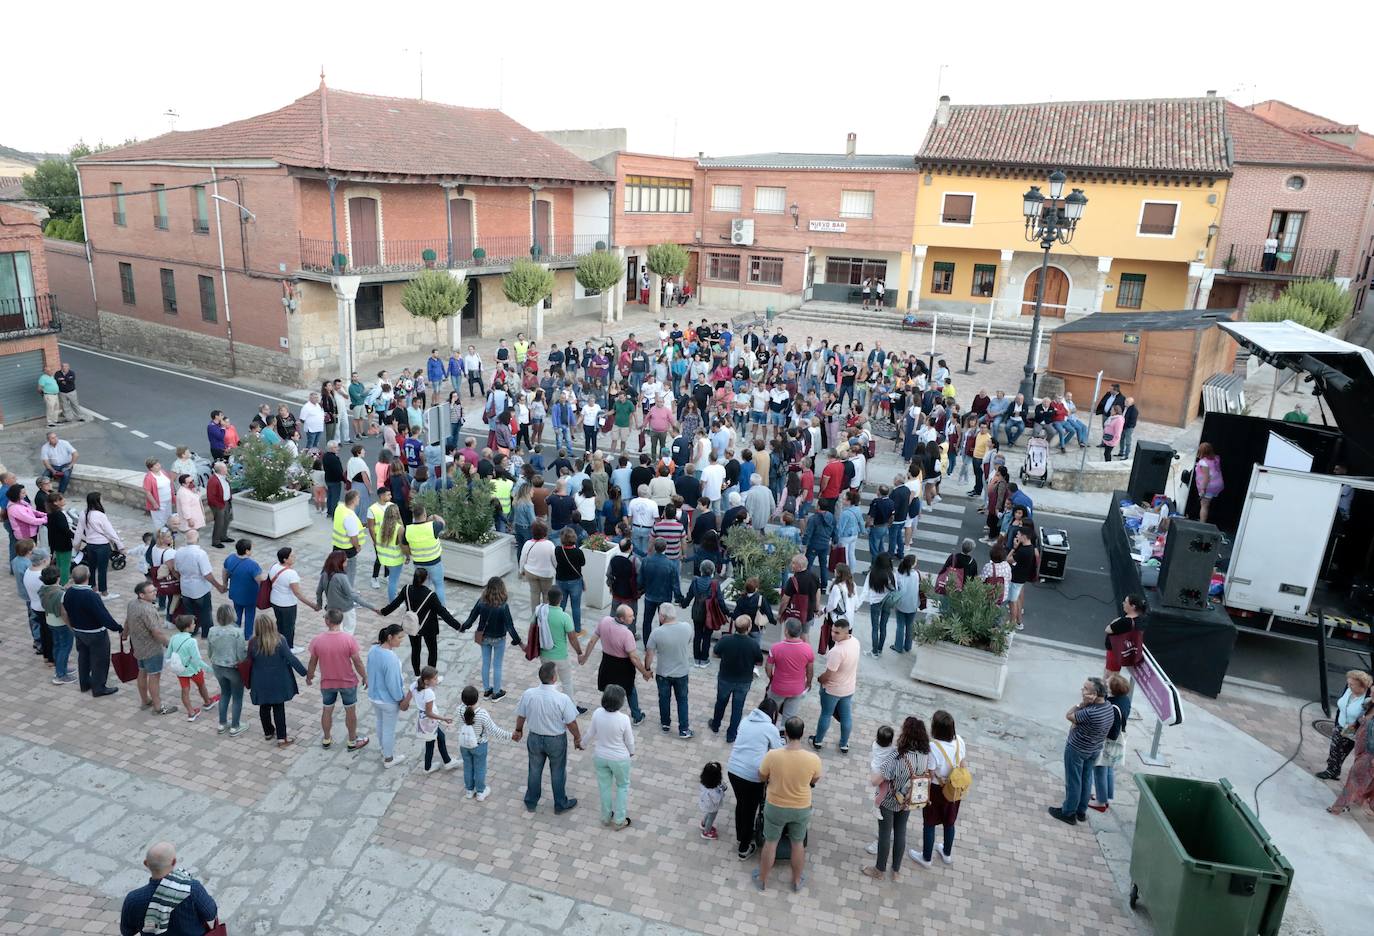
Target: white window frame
[1178,217]
[782,207]
[872,199]
[972,209]
[718,187]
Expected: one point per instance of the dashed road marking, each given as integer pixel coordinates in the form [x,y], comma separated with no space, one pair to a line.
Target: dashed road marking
[160,444]
[118,425]
[141,435]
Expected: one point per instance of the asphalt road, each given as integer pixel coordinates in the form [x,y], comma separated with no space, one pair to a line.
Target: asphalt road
[151,409]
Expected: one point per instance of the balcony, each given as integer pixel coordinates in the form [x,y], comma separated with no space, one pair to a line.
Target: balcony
[28,315]
[1300,263]
[401,257]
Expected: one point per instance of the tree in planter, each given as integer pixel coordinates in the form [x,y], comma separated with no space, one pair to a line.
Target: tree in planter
[764,556]
[270,473]
[601,271]
[969,616]
[466,511]
[436,296]
[527,285]
[664,260]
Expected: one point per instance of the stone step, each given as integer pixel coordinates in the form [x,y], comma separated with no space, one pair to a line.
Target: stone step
[951,325]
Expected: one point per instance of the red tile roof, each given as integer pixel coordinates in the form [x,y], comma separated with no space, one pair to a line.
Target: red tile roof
[1178,135]
[368,133]
[1258,140]
[1295,118]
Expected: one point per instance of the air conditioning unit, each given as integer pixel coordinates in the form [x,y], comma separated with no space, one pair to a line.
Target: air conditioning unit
[742,232]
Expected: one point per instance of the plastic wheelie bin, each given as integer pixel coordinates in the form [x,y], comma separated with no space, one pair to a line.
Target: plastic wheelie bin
[1202,863]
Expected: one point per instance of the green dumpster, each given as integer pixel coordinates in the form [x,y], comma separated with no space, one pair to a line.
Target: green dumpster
[771,313]
[1202,863]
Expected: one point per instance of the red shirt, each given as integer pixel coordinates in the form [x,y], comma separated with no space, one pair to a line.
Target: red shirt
[790,659]
[832,478]
[808,483]
[335,651]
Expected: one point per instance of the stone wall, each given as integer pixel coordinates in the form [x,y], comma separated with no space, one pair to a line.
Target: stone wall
[198,352]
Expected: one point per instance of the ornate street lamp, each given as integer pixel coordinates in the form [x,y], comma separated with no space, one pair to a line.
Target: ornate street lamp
[1048,220]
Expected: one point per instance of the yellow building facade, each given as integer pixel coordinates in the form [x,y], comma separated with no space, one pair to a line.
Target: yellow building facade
[1154,172]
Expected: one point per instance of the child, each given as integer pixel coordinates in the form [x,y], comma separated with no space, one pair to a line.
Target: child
[477,727]
[712,795]
[145,557]
[427,719]
[878,755]
[184,660]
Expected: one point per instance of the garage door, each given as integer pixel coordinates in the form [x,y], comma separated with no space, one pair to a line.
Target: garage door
[19,396]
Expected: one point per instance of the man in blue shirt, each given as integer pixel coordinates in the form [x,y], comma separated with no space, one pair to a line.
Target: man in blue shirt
[435,371]
[620,478]
[880,514]
[817,538]
[658,582]
[171,903]
[1022,499]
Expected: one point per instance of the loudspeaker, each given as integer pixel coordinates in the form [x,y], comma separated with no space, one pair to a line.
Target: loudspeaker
[1150,470]
[1190,556]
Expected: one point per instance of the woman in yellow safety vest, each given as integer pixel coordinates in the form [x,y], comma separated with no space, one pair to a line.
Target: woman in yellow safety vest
[389,552]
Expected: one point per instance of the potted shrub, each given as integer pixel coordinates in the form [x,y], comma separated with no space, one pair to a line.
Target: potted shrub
[479,254]
[599,552]
[473,550]
[271,489]
[762,555]
[428,256]
[964,644]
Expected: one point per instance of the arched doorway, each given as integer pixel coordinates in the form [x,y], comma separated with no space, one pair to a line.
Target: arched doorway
[1056,293]
[471,323]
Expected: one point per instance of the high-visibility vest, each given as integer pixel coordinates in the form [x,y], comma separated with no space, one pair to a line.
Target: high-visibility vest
[501,488]
[376,513]
[424,545]
[340,538]
[389,553]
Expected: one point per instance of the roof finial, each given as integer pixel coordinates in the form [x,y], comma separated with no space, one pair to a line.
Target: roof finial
[321,74]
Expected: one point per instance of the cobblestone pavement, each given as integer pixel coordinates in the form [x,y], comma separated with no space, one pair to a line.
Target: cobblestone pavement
[325,842]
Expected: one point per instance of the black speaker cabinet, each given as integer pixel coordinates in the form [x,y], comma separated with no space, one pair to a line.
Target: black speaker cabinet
[1150,470]
[1190,556]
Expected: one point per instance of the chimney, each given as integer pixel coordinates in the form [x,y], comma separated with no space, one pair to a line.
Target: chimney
[849,143]
[942,111]
[1212,93]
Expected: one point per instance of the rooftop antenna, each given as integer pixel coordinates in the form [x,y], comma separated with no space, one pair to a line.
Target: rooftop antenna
[171,116]
[421,53]
[940,80]
[501,82]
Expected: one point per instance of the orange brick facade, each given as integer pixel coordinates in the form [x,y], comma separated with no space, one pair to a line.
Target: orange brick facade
[20,231]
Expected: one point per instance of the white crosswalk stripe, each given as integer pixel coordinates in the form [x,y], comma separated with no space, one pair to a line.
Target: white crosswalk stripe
[952,523]
[141,435]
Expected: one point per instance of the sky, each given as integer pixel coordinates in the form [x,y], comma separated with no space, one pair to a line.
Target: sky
[722,78]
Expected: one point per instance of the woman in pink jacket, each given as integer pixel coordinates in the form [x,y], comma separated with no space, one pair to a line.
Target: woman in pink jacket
[159,494]
[190,515]
[24,519]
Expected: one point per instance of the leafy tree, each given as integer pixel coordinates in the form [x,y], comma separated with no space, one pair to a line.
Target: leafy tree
[527,285]
[72,229]
[436,296]
[1328,299]
[600,271]
[667,259]
[1284,309]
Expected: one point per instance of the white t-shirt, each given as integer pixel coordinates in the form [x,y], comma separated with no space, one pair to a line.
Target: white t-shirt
[164,492]
[282,595]
[192,566]
[424,726]
[352,525]
[940,754]
[712,477]
[590,414]
[312,417]
[643,512]
[57,455]
[586,507]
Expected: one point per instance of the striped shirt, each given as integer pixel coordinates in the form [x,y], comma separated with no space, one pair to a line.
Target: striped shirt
[1090,726]
[671,532]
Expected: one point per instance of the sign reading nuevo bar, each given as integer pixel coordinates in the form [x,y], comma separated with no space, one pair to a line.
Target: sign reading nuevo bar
[829,227]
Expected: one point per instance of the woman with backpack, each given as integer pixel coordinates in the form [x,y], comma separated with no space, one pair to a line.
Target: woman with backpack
[419,599]
[949,781]
[900,789]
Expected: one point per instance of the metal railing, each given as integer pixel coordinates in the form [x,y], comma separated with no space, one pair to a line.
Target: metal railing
[1316,262]
[408,256]
[28,315]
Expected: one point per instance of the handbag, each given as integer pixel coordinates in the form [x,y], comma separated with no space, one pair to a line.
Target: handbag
[532,641]
[824,640]
[245,668]
[218,929]
[410,620]
[124,663]
[1113,753]
[715,617]
[1128,647]
[265,591]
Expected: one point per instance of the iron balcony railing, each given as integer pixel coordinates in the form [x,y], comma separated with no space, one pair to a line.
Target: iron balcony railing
[28,315]
[1305,262]
[407,256]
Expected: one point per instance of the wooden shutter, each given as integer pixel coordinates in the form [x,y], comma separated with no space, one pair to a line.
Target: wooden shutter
[461,216]
[958,209]
[362,232]
[1158,218]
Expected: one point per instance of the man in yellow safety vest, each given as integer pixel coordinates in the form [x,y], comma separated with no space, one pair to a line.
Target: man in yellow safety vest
[373,523]
[347,533]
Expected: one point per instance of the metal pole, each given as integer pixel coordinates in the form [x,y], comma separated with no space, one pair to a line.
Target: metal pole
[223,276]
[1154,744]
[1028,380]
[987,335]
[934,327]
[968,346]
[1322,678]
[334,226]
[1083,462]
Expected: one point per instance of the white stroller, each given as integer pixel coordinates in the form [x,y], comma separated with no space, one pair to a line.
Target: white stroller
[1037,465]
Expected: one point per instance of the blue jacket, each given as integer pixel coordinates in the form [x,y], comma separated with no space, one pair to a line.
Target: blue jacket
[87,611]
[455,366]
[757,736]
[273,681]
[820,530]
[435,370]
[658,579]
[851,521]
[189,918]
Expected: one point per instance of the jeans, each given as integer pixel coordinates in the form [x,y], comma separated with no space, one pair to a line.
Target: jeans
[562,436]
[387,715]
[333,490]
[1078,780]
[92,660]
[273,718]
[877,537]
[735,693]
[894,539]
[198,608]
[589,436]
[892,836]
[244,616]
[977,476]
[613,778]
[98,555]
[393,580]
[928,841]
[443,748]
[701,643]
[1014,426]
[554,750]
[902,634]
[493,652]
[572,594]
[639,536]
[669,686]
[877,616]
[312,439]
[1124,449]
[230,695]
[62,641]
[436,576]
[831,705]
[821,558]
[748,801]
[474,767]
[1078,429]
[1104,784]
[650,612]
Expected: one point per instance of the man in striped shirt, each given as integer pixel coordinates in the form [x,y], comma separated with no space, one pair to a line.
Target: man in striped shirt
[1091,719]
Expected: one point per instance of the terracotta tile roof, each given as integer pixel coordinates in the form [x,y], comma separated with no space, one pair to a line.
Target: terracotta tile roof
[368,133]
[1258,140]
[1184,135]
[830,161]
[1295,118]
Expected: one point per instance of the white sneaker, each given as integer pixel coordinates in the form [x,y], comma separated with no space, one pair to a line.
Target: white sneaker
[432,768]
[388,764]
[946,858]
[453,764]
[297,650]
[469,794]
[376,583]
[483,794]
[916,857]
[872,848]
[110,597]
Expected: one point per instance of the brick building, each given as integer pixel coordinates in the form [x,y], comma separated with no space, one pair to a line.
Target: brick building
[769,229]
[1306,182]
[239,248]
[28,315]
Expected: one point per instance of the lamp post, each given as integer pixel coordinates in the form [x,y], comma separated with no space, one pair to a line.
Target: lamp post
[1047,220]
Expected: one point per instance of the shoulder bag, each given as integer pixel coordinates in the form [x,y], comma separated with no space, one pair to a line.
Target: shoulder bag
[124,662]
[265,591]
[1129,647]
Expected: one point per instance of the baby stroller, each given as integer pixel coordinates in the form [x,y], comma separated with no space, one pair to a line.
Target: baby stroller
[1037,466]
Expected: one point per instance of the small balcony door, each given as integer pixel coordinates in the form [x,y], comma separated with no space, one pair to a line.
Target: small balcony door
[461,218]
[1286,228]
[362,233]
[543,228]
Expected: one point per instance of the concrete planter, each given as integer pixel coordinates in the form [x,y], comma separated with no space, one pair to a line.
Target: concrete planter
[976,672]
[596,594]
[473,565]
[272,520]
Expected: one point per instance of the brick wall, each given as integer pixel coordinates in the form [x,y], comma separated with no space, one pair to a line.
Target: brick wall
[69,279]
[20,231]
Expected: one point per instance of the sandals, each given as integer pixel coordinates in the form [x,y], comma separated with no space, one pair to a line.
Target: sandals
[286,742]
[874,873]
[358,744]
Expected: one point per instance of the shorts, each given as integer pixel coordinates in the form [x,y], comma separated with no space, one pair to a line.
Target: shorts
[348,695]
[776,419]
[357,412]
[1014,590]
[198,679]
[757,417]
[152,666]
[780,819]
